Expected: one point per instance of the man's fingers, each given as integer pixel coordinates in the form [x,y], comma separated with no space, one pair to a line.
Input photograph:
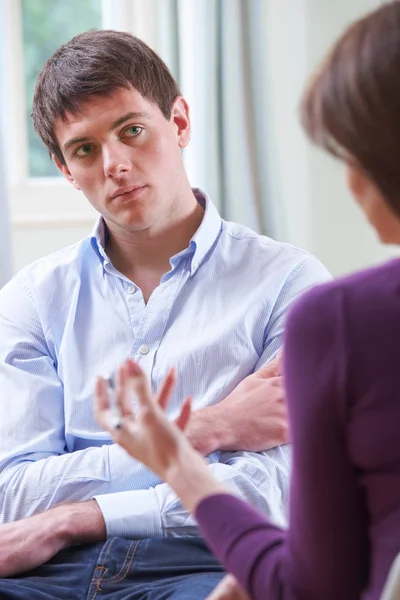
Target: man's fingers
[165,392]
[279,359]
[271,369]
[273,382]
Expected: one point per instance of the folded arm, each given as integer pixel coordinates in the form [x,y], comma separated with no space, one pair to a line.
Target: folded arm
[253,416]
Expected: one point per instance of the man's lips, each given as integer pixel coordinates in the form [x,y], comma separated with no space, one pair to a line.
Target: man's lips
[128,192]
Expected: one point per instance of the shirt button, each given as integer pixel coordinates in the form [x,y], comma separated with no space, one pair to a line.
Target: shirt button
[131,289]
[144,349]
[194,266]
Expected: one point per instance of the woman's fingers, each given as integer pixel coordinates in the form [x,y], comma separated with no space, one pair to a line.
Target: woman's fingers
[115,405]
[165,392]
[140,385]
[124,391]
[184,415]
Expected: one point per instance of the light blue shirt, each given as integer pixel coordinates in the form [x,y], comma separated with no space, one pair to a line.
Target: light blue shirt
[217,316]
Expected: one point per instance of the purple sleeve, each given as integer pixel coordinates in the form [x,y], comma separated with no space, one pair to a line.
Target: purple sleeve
[248,545]
[325,552]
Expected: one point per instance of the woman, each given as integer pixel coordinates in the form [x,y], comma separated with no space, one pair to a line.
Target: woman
[341,366]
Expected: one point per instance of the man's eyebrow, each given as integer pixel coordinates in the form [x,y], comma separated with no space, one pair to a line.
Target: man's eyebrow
[73,141]
[117,123]
[128,117]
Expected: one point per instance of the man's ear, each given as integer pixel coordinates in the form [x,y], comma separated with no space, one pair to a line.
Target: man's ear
[66,172]
[180,118]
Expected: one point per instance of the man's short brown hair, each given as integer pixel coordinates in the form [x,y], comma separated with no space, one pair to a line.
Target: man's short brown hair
[97,63]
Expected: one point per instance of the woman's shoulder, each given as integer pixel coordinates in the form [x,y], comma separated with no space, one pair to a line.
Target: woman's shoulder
[382,278]
[370,291]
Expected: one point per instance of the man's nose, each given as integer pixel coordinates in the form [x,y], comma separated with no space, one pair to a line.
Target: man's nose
[116,159]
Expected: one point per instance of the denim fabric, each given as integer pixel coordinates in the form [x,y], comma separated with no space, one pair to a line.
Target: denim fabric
[120,569]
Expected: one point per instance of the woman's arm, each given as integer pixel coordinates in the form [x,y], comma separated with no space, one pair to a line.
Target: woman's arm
[325,552]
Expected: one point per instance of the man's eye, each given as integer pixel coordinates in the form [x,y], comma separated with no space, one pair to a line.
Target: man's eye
[84,150]
[133,131]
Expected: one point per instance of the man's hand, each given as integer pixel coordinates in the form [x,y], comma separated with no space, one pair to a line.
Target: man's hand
[228,589]
[31,542]
[253,417]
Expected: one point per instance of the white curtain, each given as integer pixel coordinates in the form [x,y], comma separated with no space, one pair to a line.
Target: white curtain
[5,229]
[217,50]
[222,71]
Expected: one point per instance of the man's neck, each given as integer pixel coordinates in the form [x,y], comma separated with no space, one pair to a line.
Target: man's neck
[146,254]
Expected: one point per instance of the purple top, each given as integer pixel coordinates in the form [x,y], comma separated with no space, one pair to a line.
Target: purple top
[342,376]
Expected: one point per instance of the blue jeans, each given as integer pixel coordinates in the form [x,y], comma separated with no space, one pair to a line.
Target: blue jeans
[120,569]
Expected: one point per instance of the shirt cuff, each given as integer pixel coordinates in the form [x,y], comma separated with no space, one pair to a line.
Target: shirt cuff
[134,514]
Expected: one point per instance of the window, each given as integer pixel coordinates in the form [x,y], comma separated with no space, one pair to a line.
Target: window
[47,24]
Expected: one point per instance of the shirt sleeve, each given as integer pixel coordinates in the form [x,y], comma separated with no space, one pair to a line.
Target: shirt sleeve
[261,479]
[324,554]
[307,273]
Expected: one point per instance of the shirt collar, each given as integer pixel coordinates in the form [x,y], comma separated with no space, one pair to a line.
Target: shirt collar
[98,240]
[199,246]
[206,235]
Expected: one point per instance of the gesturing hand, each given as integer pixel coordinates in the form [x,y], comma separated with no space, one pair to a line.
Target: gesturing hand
[149,436]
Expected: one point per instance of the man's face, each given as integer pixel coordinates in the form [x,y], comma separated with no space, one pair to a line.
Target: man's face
[126,158]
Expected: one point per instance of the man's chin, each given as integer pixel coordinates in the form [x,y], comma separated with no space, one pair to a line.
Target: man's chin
[136,223]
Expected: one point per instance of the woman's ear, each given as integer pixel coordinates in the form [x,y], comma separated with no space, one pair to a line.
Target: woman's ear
[358,182]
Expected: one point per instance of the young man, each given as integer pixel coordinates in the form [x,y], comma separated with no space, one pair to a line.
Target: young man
[165,280]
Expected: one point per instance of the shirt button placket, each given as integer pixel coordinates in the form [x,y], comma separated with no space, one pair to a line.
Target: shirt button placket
[143,349]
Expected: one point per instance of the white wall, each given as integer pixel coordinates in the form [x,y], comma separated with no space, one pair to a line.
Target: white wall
[47,215]
[320,214]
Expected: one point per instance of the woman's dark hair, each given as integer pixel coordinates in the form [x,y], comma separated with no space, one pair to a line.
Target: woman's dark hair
[97,63]
[352,105]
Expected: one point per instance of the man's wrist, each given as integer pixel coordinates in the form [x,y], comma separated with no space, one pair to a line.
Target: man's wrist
[80,522]
[205,431]
[190,477]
